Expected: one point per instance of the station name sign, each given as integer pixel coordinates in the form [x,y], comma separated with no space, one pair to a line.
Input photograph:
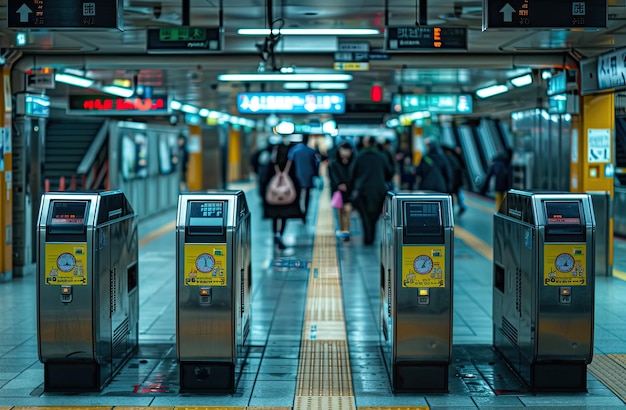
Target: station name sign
[184,39]
[291,103]
[544,14]
[426,38]
[110,105]
[65,14]
[434,103]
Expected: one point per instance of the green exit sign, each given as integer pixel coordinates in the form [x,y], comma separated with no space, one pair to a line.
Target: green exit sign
[182,34]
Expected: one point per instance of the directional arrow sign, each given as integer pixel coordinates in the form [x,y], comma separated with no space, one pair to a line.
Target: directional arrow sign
[507,13]
[530,14]
[24,11]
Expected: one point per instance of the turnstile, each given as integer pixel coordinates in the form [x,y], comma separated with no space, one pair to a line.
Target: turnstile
[212,288]
[416,289]
[87,296]
[543,287]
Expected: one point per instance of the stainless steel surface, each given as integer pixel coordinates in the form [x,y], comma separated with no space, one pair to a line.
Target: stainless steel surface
[603,212]
[215,331]
[100,324]
[414,332]
[532,324]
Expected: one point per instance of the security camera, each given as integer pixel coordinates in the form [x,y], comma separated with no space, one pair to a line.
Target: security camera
[156,11]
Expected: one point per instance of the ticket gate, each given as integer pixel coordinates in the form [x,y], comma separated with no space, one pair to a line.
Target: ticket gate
[213,270]
[87,295]
[543,292]
[416,289]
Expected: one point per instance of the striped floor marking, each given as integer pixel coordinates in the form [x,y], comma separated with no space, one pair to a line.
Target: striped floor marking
[610,369]
[324,379]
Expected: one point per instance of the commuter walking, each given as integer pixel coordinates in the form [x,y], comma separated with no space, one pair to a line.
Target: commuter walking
[385,150]
[500,168]
[340,170]
[456,164]
[433,169]
[371,172]
[284,205]
[183,153]
[407,171]
[306,163]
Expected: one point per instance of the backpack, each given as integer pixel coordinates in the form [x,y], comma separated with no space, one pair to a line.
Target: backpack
[280,190]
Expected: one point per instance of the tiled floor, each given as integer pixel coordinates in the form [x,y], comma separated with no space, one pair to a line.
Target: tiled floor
[478,378]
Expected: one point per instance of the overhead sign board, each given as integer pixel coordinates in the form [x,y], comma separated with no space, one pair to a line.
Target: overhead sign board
[426,38]
[32,105]
[184,39]
[544,14]
[611,69]
[347,66]
[434,103]
[65,14]
[111,105]
[291,103]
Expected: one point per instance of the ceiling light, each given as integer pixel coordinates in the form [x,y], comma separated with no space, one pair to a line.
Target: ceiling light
[119,91]
[522,81]
[315,86]
[189,109]
[73,80]
[175,105]
[491,90]
[203,112]
[285,77]
[310,31]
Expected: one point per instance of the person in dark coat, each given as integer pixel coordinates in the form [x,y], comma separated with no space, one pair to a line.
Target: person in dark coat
[280,213]
[340,170]
[371,171]
[431,171]
[500,168]
[456,164]
[306,162]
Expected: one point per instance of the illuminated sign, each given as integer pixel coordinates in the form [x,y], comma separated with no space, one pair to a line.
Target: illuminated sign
[65,14]
[108,105]
[426,38]
[291,103]
[526,14]
[33,105]
[183,39]
[434,103]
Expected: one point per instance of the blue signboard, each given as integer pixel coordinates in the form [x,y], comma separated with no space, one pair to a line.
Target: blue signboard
[434,103]
[291,103]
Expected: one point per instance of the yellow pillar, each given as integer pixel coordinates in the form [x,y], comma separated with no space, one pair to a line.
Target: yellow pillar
[595,142]
[6,192]
[418,137]
[234,154]
[194,166]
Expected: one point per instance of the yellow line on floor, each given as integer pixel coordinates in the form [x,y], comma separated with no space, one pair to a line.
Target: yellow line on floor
[474,242]
[479,206]
[619,274]
[156,234]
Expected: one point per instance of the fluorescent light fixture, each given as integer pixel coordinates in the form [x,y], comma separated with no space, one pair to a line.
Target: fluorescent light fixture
[119,91]
[314,86]
[310,31]
[491,90]
[214,114]
[308,77]
[285,127]
[20,39]
[175,105]
[203,112]
[189,109]
[73,80]
[522,81]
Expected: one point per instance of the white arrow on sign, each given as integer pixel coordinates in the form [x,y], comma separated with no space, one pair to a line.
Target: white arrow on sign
[24,11]
[507,13]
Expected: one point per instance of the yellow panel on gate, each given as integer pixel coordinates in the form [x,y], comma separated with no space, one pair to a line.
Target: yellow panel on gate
[565,264]
[66,264]
[205,264]
[423,266]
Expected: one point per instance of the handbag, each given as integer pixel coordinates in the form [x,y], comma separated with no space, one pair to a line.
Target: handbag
[280,190]
[337,200]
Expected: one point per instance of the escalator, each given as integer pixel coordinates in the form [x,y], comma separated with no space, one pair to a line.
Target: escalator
[471,155]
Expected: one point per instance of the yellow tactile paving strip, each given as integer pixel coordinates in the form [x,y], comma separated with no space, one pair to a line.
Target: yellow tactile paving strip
[324,378]
[610,370]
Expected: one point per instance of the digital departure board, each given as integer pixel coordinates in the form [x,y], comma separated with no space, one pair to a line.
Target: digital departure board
[426,38]
[291,103]
[110,105]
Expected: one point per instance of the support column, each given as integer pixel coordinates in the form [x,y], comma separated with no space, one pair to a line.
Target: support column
[595,170]
[6,179]
[194,166]
[234,154]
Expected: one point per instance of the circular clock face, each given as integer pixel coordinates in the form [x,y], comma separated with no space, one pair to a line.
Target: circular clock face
[205,263]
[564,262]
[423,264]
[66,262]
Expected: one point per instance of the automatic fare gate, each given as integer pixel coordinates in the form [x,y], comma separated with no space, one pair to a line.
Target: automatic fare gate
[543,294]
[212,288]
[87,296]
[416,290]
